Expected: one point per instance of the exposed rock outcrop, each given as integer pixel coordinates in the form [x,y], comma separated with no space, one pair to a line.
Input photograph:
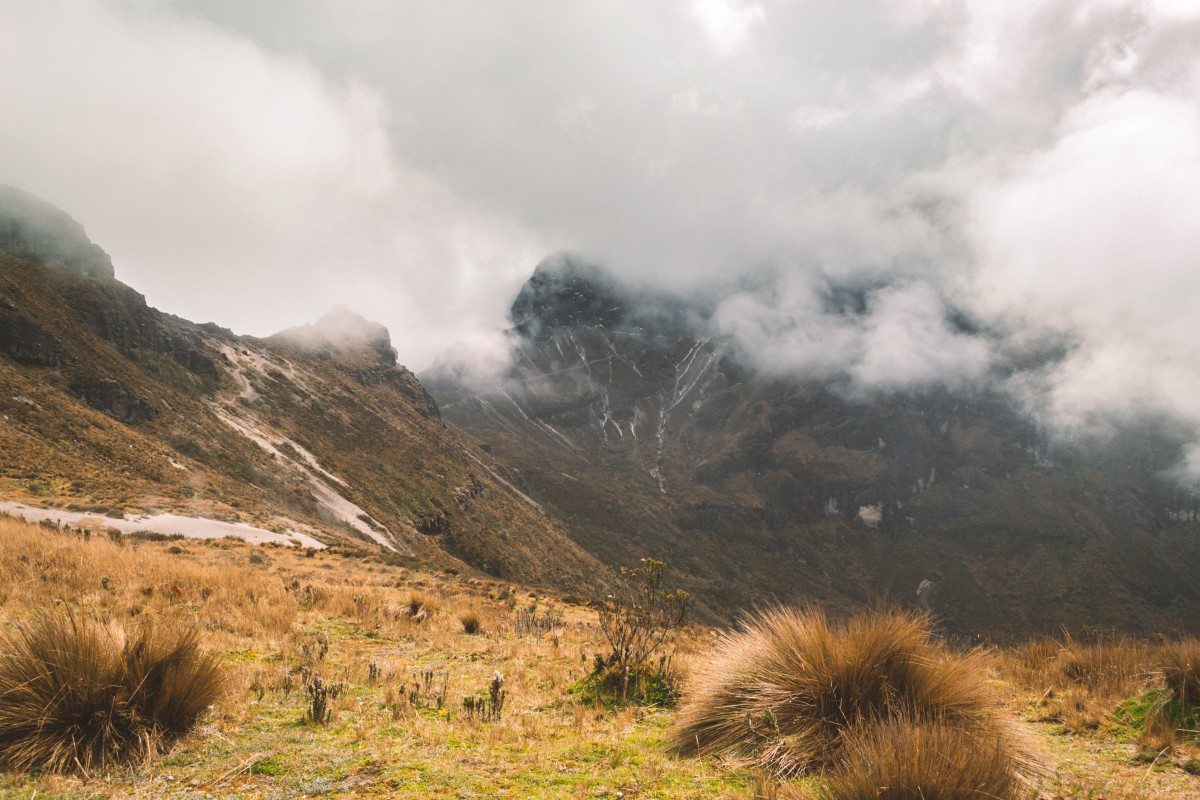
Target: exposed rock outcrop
[109,396]
[22,339]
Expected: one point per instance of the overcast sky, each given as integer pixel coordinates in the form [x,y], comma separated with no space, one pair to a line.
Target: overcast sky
[1036,163]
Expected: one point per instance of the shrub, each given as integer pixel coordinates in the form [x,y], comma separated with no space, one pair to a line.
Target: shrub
[910,759]
[783,690]
[319,695]
[636,618]
[487,706]
[79,697]
[639,614]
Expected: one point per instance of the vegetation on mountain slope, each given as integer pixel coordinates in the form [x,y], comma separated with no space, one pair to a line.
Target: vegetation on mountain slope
[140,412]
[396,721]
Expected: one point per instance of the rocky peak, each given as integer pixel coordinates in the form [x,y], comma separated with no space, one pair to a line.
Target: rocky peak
[566,291]
[341,331]
[33,229]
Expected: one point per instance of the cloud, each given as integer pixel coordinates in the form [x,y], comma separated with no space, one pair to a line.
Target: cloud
[881,339]
[727,23]
[1025,163]
[234,183]
[1096,235]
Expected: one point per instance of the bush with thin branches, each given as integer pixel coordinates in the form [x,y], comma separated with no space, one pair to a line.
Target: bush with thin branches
[783,691]
[78,697]
[640,613]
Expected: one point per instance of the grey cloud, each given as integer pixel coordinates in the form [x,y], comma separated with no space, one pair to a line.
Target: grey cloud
[1028,163]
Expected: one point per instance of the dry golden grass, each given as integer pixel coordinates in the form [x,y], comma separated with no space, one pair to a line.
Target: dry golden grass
[910,759]
[471,622]
[275,619]
[123,578]
[1080,685]
[783,691]
[1179,662]
[78,696]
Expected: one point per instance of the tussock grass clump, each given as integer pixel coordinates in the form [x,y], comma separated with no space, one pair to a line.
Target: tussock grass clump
[909,759]
[471,623]
[417,606]
[1180,666]
[1082,684]
[1113,665]
[783,690]
[77,697]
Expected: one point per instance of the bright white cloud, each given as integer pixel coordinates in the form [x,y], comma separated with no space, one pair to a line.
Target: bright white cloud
[1097,236]
[727,23]
[236,184]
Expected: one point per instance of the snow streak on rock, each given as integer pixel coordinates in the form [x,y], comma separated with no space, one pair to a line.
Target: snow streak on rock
[687,377]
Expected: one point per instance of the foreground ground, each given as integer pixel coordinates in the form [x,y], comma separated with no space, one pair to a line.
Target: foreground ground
[392,643]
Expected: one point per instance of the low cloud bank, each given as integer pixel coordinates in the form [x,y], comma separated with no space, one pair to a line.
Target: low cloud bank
[986,177]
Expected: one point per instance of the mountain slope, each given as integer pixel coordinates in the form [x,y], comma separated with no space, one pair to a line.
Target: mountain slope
[112,407]
[648,436]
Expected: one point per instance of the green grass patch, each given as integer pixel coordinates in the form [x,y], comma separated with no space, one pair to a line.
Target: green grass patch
[1132,714]
[271,765]
[613,688]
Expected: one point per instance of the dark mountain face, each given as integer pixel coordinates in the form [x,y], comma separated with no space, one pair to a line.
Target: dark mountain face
[653,439]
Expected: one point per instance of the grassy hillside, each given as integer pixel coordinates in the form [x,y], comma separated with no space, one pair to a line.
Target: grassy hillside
[274,617]
[112,407]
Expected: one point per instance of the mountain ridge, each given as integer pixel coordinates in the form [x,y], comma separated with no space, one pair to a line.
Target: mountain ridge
[766,487]
[623,427]
[114,408]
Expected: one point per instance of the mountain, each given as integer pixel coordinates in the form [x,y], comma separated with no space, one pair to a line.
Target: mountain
[624,415]
[623,427]
[116,410]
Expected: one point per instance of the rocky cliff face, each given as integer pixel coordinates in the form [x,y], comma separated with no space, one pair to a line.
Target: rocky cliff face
[643,430]
[22,339]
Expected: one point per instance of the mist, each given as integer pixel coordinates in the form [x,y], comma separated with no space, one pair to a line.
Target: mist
[1030,167]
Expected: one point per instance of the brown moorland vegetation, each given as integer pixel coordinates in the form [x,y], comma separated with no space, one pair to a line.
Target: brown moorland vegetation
[414,707]
[78,696]
[784,691]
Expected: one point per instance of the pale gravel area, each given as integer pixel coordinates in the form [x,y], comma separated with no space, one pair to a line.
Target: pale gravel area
[189,527]
[325,493]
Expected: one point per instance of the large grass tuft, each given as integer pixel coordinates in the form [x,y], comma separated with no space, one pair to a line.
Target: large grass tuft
[907,759]
[783,691]
[1180,662]
[77,697]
